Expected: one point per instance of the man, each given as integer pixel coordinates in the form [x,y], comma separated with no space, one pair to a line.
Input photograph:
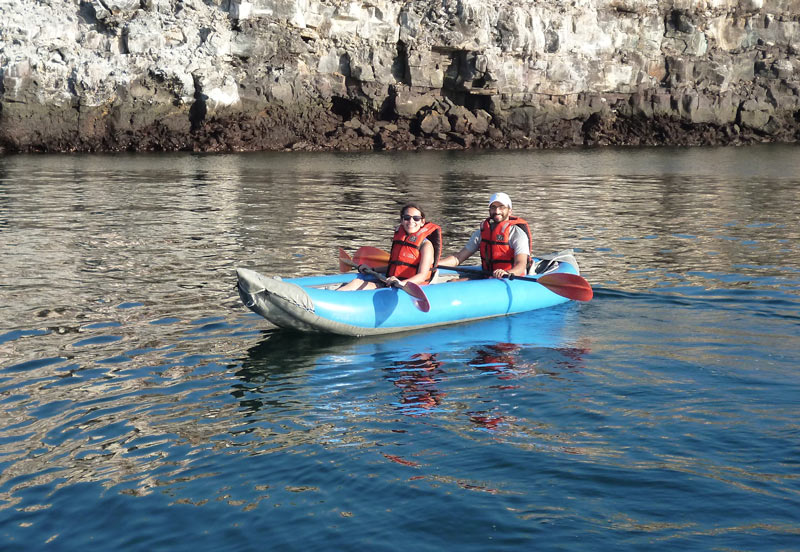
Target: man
[503,240]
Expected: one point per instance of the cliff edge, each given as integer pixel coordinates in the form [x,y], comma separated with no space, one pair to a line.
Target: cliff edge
[242,75]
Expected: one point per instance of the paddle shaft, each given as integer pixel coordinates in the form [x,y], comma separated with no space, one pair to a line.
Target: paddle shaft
[415,291]
[482,274]
[368,270]
[383,279]
[571,286]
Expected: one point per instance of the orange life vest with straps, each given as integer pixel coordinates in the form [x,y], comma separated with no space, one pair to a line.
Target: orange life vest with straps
[495,250]
[404,256]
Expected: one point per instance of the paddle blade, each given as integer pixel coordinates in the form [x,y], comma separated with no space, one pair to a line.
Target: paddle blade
[570,286]
[345,262]
[419,297]
[371,256]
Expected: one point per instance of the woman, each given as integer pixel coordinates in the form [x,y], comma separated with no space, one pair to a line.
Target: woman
[416,247]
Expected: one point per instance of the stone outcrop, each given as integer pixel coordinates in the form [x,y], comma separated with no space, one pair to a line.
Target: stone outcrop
[236,75]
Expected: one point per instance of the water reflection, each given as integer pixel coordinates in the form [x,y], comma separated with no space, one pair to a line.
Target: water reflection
[417,380]
[498,359]
[464,372]
[137,228]
[128,365]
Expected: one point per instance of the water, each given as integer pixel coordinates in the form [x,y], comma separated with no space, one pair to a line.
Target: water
[143,407]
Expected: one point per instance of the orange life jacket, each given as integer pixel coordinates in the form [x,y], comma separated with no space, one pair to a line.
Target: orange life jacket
[404,256]
[495,250]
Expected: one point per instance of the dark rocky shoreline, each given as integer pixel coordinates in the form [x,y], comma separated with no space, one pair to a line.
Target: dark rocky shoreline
[363,132]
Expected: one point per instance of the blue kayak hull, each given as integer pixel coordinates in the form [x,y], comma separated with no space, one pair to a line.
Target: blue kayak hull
[309,303]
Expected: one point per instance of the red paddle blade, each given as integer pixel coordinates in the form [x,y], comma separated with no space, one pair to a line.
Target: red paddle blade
[570,286]
[345,262]
[420,299]
[371,256]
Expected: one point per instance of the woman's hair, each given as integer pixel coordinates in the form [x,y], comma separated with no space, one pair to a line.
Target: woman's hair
[415,206]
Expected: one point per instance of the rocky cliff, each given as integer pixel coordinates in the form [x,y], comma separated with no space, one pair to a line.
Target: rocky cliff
[215,75]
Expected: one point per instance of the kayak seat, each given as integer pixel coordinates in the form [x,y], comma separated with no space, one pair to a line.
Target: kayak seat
[548,263]
[439,278]
[544,265]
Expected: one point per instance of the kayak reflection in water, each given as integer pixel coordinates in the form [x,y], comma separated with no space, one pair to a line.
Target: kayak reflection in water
[417,381]
[499,359]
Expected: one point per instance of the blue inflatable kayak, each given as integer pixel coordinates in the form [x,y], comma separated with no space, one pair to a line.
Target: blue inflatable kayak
[311,304]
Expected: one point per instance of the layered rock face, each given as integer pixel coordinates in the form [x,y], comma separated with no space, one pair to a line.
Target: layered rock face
[236,75]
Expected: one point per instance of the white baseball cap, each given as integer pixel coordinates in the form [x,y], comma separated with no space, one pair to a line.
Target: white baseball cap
[501,198]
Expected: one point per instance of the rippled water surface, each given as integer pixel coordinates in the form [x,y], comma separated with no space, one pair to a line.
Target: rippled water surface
[142,407]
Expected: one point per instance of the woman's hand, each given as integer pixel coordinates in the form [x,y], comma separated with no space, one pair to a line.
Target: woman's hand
[392,281]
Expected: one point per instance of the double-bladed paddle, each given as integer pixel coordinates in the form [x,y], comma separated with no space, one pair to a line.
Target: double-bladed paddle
[571,286]
[566,285]
[371,256]
[420,300]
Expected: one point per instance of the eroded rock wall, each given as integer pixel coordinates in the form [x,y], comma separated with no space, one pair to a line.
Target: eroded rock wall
[213,75]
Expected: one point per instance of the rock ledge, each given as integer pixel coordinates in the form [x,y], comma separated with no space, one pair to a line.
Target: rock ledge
[236,75]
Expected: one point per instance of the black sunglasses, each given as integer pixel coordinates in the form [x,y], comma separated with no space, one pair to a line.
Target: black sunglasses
[417,218]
